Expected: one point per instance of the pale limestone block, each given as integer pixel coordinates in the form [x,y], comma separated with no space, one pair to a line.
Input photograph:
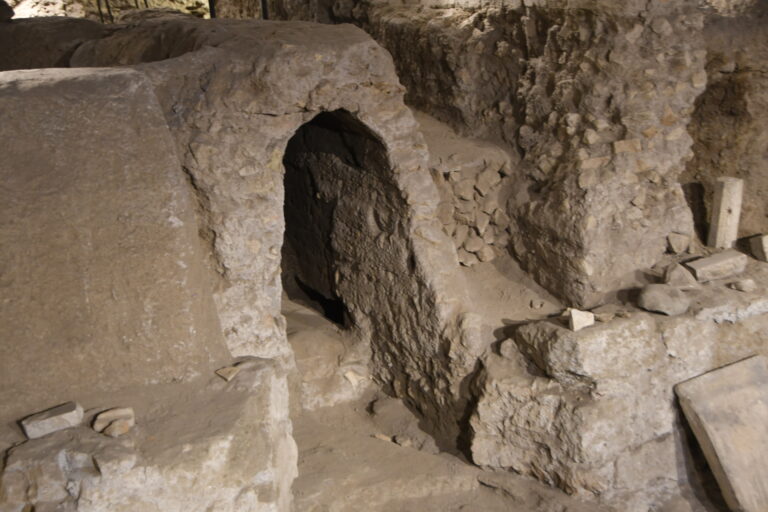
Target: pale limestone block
[718,266]
[578,320]
[727,410]
[726,210]
[759,247]
[66,415]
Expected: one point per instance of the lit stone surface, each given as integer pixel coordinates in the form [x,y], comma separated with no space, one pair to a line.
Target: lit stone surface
[726,211]
[727,410]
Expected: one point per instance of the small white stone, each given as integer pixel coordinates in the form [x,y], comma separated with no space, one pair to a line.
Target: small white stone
[64,416]
[578,319]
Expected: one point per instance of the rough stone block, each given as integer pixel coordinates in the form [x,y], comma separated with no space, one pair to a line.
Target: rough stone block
[63,416]
[663,298]
[727,410]
[726,211]
[759,247]
[718,266]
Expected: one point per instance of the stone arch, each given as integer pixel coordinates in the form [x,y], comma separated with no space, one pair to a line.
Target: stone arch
[348,227]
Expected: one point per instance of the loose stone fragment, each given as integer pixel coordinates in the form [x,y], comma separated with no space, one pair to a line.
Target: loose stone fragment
[759,247]
[678,242]
[680,277]
[104,419]
[578,320]
[718,266]
[726,210]
[228,372]
[727,410]
[663,298]
[64,416]
[743,285]
[119,427]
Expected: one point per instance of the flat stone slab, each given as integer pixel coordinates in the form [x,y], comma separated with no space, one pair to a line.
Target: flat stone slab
[727,410]
[62,416]
[718,266]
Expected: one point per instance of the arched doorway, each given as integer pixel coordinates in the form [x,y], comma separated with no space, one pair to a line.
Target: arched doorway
[341,211]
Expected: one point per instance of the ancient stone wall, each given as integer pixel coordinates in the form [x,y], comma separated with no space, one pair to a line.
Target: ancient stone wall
[233,116]
[590,101]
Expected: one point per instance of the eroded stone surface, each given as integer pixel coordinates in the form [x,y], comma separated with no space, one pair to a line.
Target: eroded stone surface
[727,409]
[100,239]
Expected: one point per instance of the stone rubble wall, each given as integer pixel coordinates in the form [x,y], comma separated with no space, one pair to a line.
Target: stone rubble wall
[594,411]
[474,182]
[591,102]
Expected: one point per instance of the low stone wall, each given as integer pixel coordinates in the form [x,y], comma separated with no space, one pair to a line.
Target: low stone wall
[590,100]
[594,411]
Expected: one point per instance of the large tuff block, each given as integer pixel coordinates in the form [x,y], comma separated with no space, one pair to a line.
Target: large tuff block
[728,409]
[100,250]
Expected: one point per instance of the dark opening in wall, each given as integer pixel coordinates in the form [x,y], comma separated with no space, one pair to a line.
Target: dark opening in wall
[318,161]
